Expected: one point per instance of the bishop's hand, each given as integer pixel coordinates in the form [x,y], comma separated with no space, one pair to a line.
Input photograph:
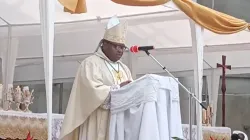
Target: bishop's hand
[125,83]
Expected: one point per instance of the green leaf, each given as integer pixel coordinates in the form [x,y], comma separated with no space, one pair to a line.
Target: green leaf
[176,138]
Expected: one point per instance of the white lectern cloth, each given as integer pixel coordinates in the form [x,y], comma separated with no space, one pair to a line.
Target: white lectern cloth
[146,109]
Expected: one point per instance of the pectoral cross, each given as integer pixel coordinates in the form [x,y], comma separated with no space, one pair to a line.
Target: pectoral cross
[223,85]
[118,75]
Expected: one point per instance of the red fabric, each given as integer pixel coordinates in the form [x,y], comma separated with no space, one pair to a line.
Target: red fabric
[214,139]
[29,137]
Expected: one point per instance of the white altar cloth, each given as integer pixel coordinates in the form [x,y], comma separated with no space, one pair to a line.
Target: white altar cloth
[57,124]
[217,133]
[58,119]
[15,125]
[146,109]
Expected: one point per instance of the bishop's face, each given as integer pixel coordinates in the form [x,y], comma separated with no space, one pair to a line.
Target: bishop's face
[112,50]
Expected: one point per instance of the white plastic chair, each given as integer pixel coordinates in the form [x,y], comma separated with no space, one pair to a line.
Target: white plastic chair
[238,132]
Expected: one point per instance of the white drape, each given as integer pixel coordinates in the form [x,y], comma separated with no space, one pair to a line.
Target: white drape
[213,81]
[146,109]
[9,54]
[47,19]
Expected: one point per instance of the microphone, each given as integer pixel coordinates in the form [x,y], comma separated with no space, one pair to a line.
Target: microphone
[135,49]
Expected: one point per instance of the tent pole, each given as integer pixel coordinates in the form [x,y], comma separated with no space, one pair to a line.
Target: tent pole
[5,60]
[190,114]
[198,45]
[60,98]
[5,21]
[5,71]
[47,19]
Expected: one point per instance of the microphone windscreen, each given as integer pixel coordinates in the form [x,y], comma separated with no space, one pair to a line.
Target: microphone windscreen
[134,49]
[131,49]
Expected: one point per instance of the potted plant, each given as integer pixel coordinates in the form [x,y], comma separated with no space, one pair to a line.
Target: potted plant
[176,138]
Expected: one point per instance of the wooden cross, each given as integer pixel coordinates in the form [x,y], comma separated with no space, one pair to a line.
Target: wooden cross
[223,85]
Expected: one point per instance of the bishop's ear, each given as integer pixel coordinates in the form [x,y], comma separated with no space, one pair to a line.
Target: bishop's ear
[104,45]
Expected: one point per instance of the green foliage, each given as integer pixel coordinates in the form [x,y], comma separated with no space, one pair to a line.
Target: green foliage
[176,138]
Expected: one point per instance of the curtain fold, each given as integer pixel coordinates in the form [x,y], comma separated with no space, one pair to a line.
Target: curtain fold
[210,19]
[140,2]
[207,18]
[74,6]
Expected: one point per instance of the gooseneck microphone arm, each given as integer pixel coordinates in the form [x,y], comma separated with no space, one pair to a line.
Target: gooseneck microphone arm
[171,75]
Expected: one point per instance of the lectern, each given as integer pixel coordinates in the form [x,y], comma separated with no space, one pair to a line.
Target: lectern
[146,109]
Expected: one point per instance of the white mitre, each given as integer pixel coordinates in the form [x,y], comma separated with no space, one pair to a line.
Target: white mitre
[116,31]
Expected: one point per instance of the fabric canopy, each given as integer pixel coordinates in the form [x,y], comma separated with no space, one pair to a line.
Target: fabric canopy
[205,17]
[209,19]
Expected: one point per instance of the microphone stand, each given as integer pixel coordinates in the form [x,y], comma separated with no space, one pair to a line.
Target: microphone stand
[164,68]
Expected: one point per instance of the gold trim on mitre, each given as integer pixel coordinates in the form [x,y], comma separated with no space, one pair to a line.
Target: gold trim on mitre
[117,33]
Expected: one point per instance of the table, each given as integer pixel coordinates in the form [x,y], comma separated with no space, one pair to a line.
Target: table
[15,125]
[217,133]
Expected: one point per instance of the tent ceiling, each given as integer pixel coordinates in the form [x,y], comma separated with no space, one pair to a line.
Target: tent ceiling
[171,34]
[78,26]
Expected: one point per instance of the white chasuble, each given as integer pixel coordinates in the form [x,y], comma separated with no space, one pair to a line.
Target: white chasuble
[85,117]
[117,72]
[146,109]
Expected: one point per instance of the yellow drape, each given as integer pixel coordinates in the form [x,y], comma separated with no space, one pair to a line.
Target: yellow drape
[210,19]
[140,2]
[74,6]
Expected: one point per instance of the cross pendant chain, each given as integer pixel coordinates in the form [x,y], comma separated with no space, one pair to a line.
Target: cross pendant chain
[118,75]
